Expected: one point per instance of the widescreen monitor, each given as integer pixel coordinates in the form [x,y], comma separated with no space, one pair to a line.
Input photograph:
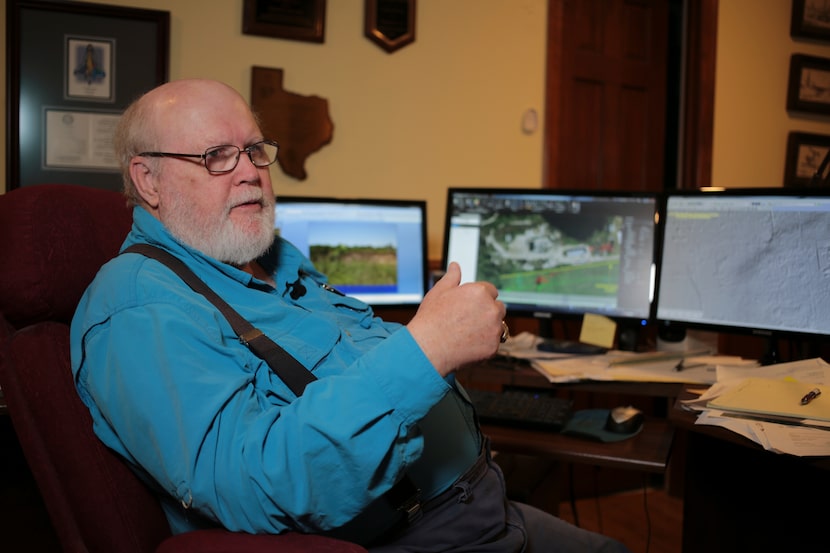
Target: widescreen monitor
[371,249]
[551,252]
[747,261]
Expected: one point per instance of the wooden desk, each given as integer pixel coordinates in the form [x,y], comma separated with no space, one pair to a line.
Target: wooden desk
[648,451]
[625,462]
[740,497]
[496,375]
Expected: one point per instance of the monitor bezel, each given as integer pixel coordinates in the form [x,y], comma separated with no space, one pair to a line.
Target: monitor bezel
[547,313]
[420,204]
[679,325]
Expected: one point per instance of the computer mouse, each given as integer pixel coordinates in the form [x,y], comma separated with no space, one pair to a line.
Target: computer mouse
[624,420]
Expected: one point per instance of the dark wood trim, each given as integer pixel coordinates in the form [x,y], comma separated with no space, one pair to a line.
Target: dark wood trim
[553,86]
[699,94]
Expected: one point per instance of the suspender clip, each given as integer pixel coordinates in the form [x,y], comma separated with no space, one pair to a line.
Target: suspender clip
[412,508]
[247,337]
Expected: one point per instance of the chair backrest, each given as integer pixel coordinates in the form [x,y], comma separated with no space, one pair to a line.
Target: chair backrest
[55,237]
[53,240]
[95,503]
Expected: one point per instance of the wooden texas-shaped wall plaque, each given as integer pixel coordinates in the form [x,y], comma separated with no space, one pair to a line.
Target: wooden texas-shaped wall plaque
[301,125]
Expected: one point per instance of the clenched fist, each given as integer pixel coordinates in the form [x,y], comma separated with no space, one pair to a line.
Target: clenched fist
[458,323]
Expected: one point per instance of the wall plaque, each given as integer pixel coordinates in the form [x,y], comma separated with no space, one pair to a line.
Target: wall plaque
[300,124]
[390,23]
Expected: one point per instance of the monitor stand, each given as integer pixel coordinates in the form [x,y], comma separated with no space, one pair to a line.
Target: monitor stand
[771,355]
[545,328]
[628,335]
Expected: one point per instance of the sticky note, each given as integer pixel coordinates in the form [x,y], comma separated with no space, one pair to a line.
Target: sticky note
[598,330]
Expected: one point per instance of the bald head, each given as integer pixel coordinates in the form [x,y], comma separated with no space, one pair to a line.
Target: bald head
[188,113]
[179,105]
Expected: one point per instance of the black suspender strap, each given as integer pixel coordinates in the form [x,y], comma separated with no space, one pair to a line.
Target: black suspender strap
[404,496]
[281,362]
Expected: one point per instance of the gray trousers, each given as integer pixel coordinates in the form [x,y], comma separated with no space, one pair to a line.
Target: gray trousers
[475,516]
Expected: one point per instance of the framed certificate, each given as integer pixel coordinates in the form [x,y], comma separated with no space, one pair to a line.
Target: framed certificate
[73,68]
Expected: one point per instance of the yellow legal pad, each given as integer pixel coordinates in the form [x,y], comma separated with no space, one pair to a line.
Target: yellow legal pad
[776,397]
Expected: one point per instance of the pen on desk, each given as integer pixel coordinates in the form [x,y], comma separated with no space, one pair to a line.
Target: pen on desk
[810,396]
[683,365]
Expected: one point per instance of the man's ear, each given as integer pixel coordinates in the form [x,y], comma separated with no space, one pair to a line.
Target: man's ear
[145,181]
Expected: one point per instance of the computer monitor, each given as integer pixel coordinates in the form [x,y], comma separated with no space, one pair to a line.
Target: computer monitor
[557,253]
[371,249]
[747,261]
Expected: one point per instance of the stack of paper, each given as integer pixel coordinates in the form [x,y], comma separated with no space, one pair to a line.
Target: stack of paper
[764,405]
[683,367]
[698,367]
[774,398]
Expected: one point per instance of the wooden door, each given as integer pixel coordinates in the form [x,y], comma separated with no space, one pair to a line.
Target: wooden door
[607,91]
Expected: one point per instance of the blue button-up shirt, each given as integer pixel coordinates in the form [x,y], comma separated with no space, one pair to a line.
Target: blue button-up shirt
[171,389]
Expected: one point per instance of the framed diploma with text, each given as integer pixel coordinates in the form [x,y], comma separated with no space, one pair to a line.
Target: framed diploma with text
[73,69]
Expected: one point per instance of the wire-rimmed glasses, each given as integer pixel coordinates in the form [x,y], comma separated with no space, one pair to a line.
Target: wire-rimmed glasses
[224,158]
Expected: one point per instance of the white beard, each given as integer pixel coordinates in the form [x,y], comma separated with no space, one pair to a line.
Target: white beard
[222,238]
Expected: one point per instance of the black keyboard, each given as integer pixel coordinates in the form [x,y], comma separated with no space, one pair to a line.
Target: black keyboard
[522,407]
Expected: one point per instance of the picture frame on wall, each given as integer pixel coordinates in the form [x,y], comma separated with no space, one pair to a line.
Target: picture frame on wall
[810,19]
[806,152]
[89,68]
[73,69]
[303,20]
[808,88]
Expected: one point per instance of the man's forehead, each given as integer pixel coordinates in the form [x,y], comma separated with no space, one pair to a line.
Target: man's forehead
[206,118]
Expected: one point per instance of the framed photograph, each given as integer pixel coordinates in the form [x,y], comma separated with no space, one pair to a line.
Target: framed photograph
[810,19]
[808,89]
[806,153]
[297,20]
[89,68]
[73,68]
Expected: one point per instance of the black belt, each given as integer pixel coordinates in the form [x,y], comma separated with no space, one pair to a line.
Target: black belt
[413,511]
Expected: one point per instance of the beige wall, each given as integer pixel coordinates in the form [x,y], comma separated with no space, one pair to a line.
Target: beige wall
[751,119]
[446,110]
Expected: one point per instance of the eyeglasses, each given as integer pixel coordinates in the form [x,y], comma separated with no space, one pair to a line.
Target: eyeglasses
[224,159]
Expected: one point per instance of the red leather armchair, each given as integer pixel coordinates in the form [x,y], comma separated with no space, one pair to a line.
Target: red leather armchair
[53,239]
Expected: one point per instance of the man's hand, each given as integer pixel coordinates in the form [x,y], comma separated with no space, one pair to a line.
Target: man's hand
[458,324]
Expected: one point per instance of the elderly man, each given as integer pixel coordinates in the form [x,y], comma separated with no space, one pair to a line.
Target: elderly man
[215,430]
